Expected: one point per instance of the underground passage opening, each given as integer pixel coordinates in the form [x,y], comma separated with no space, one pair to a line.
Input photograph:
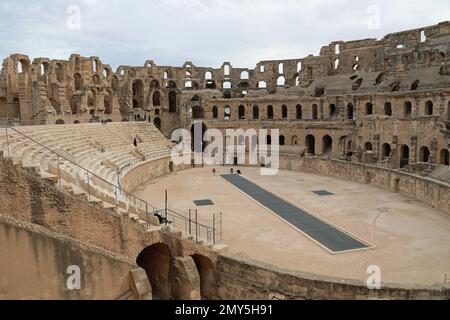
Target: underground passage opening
[155,260]
[205,270]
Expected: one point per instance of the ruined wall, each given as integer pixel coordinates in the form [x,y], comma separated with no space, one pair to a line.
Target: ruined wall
[251,280]
[34,263]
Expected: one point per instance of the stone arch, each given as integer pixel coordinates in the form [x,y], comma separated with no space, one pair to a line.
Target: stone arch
[241,112]
[156,260]
[171,167]
[298,112]
[369,108]
[154,84]
[156,98]
[172,102]
[424,154]
[215,112]
[428,108]
[60,121]
[388,109]
[407,109]
[255,112]
[327,145]
[444,157]
[368,146]
[294,140]
[281,81]
[332,111]
[138,93]
[350,111]
[262,85]
[284,111]
[281,140]
[206,271]
[270,112]
[310,144]
[386,151]
[314,112]
[404,156]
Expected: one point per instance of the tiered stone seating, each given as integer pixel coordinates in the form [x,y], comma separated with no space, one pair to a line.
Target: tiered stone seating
[90,155]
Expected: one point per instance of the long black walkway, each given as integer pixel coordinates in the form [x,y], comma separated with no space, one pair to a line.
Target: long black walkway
[330,237]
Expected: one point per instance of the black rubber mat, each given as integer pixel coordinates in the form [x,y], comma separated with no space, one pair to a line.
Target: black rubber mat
[324,233]
[201,203]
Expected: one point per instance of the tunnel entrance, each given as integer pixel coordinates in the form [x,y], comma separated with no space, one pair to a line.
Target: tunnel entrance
[156,260]
[205,269]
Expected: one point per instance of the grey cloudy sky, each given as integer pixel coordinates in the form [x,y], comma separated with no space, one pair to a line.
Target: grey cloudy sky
[207,32]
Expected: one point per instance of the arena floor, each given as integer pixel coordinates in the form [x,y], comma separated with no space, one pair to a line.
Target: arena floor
[411,240]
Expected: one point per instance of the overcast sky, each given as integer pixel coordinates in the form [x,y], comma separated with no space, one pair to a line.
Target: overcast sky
[206,32]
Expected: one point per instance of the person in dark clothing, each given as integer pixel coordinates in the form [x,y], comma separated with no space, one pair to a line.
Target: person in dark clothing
[135,142]
[161,219]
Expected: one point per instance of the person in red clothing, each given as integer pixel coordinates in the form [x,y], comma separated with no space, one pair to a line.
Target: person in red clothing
[214,171]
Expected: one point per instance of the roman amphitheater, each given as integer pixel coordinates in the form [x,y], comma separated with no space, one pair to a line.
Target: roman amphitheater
[88,180]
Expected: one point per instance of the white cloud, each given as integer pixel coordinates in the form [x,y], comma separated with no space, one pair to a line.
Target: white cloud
[207,32]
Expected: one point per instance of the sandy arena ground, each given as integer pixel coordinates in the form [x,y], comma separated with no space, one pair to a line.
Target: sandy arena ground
[412,240]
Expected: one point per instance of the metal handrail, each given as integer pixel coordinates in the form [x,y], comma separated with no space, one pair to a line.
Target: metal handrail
[211,231]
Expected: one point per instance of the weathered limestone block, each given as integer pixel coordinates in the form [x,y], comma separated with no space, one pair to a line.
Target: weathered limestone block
[186,280]
[140,284]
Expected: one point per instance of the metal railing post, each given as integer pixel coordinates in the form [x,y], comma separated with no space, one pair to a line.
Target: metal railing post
[59,171]
[190,227]
[165,206]
[146,215]
[196,225]
[7,142]
[117,201]
[214,229]
[88,186]
[220,217]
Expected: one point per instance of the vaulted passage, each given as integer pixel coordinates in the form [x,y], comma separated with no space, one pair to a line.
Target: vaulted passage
[156,260]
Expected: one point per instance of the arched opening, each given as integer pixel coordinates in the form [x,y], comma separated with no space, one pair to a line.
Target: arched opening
[78,81]
[227,113]
[284,112]
[327,145]
[154,84]
[244,75]
[445,155]
[172,102]
[60,121]
[294,140]
[404,160]
[407,110]
[171,167]
[369,109]
[350,111]
[241,112]
[429,108]
[107,103]
[96,79]
[386,151]
[255,112]
[208,75]
[157,123]
[269,112]
[314,111]
[156,98]
[206,272]
[227,94]
[76,122]
[424,154]
[269,140]
[138,93]
[333,111]
[210,84]
[227,85]
[388,109]
[281,81]
[298,112]
[310,143]
[368,147]
[171,85]
[155,260]
[92,98]
[262,85]
[215,112]
[282,140]
[226,70]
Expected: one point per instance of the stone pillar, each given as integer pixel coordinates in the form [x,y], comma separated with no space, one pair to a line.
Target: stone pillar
[185,279]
